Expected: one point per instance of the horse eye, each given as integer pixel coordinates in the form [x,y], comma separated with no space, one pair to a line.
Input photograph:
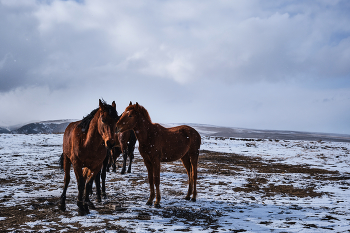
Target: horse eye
[130,115]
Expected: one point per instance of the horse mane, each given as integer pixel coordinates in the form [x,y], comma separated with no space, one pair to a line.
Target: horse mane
[140,109]
[85,122]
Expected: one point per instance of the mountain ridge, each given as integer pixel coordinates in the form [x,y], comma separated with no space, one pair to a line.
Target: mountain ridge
[58,126]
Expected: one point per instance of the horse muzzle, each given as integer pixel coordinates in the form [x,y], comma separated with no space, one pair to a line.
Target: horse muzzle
[110,144]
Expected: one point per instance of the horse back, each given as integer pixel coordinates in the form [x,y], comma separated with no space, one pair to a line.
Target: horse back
[179,140]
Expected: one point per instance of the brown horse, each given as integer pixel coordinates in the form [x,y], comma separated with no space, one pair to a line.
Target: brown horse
[159,144]
[84,145]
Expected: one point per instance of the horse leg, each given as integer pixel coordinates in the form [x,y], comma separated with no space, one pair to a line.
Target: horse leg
[66,167]
[156,174]
[187,164]
[103,175]
[82,209]
[125,157]
[194,163]
[88,189]
[114,167]
[109,158]
[131,156]
[150,180]
[98,187]
[116,153]
[86,174]
[131,148]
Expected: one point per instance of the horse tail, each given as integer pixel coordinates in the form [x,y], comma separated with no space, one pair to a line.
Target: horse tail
[61,161]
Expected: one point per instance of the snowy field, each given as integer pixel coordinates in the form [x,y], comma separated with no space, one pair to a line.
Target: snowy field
[244,185]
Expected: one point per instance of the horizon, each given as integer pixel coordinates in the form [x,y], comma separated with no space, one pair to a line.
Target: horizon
[18,126]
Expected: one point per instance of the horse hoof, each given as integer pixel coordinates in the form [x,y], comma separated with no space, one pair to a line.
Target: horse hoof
[187,198]
[98,200]
[81,213]
[123,172]
[62,207]
[86,208]
[193,199]
[89,205]
[157,205]
[83,210]
[149,203]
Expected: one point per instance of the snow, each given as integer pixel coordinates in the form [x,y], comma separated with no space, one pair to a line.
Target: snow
[321,154]
[33,158]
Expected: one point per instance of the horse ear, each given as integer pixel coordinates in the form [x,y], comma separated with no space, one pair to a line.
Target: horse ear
[114,105]
[130,103]
[137,105]
[101,104]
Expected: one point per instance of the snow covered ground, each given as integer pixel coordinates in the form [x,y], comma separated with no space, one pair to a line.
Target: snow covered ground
[244,185]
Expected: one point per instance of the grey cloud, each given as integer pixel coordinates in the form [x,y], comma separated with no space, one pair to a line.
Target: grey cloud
[181,55]
[56,43]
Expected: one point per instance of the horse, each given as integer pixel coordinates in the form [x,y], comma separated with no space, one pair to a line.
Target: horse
[159,144]
[84,145]
[127,141]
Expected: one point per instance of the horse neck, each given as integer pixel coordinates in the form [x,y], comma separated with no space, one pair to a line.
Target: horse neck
[93,133]
[142,129]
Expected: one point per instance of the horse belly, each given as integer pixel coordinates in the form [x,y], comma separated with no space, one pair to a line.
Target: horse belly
[88,157]
[176,145]
[173,154]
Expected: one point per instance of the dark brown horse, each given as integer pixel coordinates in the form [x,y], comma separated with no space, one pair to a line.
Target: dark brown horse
[158,144]
[127,141]
[85,144]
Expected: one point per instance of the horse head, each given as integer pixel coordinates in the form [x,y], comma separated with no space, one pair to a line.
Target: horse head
[107,123]
[129,118]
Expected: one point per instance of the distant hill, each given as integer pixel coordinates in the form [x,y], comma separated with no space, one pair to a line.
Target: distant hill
[59,126]
[231,132]
[43,127]
[3,130]
[270,134]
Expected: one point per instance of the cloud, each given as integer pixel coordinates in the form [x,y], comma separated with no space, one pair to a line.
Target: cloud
[176,54]
[178,40]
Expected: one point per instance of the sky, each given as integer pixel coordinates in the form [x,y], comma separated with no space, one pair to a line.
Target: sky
[259,64]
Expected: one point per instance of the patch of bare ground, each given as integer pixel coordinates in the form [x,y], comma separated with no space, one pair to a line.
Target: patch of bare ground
[272,189]
[44,210]
[228,163]
[231,161]
[206,218]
